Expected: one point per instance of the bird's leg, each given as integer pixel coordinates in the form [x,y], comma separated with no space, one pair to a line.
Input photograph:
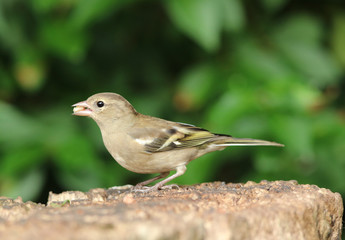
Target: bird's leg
[141,184]
[180,170]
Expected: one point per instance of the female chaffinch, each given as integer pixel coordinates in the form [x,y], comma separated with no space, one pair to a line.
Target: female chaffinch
[145,144]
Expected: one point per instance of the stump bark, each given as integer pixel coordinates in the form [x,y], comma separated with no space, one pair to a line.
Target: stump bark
[265,210]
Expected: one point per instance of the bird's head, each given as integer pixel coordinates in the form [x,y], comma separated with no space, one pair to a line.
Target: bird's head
[103,107]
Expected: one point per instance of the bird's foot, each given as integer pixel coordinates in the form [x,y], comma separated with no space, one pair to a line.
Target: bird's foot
[140,188]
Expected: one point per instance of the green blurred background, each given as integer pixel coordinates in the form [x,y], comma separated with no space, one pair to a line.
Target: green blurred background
[267,69]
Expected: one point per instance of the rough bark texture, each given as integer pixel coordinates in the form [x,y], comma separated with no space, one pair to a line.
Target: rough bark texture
[265,210]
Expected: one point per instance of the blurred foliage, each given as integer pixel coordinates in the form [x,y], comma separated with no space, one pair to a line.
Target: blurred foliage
[263,69]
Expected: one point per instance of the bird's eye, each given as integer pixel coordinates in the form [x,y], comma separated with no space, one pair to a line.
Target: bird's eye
[100,104]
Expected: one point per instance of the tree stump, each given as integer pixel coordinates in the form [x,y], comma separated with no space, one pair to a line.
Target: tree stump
[265,210]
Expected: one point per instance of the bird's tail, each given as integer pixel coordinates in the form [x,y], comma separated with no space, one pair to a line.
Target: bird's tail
[231,141]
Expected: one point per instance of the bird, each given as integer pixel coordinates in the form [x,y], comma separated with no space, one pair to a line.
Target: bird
[149,145]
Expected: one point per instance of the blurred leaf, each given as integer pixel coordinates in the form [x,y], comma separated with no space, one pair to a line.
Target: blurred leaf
[57,126]
[296,133]
[194,87]
[28,186]
[44,6]
[253,126]
[233,13]
[259,63]
[19,160]
[79,166]
[199,19]
[16,129]
[11,34]
[62,39]
[338,37]
[81,180]
[267,162]
[299,39]
[290,95]
[150,106]
[225,110]
[6,84]
[300,29]
[273,5]
[89,11]
[74,153]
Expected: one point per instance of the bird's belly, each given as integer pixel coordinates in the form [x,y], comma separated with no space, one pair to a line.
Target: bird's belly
[133,157]
[155,162]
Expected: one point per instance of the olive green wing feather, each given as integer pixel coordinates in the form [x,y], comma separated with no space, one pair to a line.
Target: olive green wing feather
[179,136]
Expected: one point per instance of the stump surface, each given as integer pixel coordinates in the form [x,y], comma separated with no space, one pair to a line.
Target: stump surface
[265,210]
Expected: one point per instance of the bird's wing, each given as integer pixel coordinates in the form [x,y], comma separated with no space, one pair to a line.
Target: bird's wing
[177,136]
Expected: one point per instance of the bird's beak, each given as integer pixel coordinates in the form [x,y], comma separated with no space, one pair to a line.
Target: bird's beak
[81,109]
